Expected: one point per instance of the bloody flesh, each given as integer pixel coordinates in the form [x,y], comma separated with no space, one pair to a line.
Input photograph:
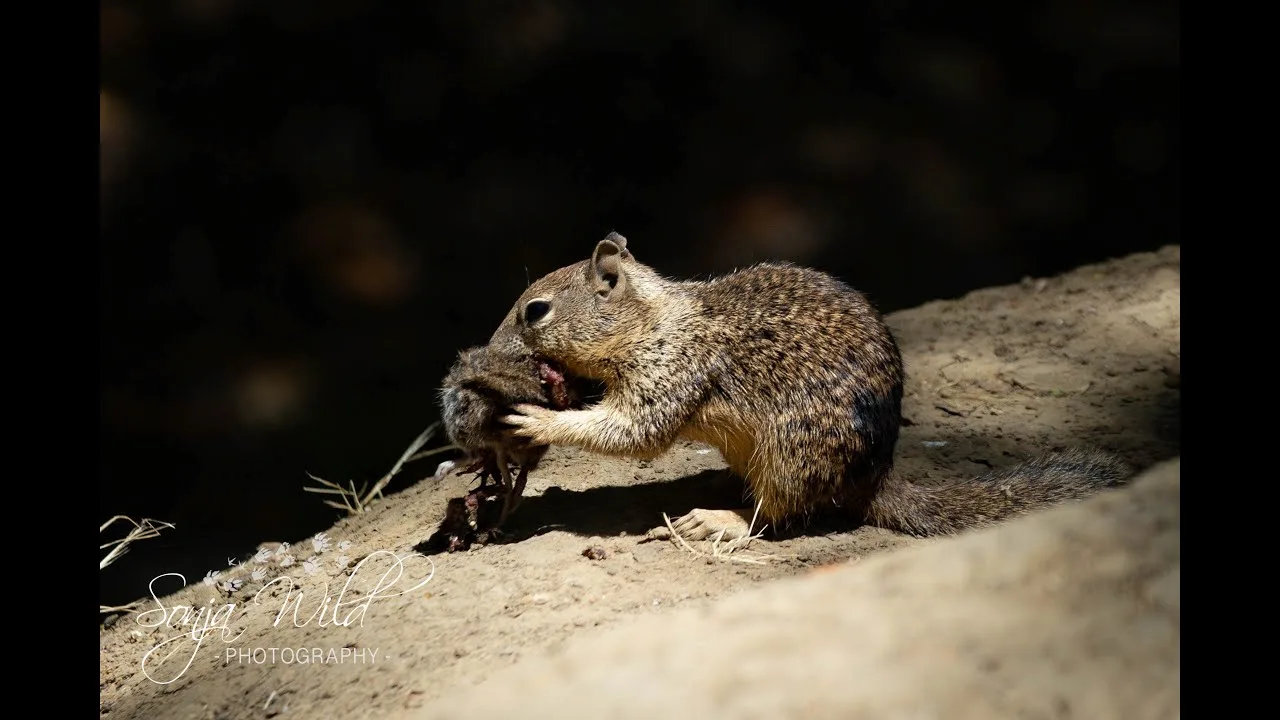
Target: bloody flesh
[553,379]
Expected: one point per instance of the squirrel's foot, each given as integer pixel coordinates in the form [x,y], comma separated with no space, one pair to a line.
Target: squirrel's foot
[702,524]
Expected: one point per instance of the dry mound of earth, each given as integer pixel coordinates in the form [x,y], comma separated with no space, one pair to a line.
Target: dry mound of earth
[1087,358]
[1073,613]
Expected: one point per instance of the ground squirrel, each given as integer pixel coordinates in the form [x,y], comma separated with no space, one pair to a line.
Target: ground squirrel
[483,382]
[791,374]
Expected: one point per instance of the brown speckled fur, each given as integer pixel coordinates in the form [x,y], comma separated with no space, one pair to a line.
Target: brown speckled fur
[482,383]
[789,372]
[1045,480]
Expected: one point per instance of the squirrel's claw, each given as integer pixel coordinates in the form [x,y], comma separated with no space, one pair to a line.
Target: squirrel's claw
[527,420]
[517,430]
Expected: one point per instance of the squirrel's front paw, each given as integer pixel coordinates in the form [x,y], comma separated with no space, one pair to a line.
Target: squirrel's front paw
[530,421]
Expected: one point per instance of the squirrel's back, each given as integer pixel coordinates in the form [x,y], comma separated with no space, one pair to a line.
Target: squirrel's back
[783,336]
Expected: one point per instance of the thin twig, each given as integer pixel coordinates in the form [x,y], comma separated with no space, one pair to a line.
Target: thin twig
[404,457]
[437,451]
[357,501]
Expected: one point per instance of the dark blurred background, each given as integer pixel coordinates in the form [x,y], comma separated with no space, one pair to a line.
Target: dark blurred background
[308,206]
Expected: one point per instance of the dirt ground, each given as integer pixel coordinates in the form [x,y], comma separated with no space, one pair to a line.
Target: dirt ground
[1070,613]
[1087,358]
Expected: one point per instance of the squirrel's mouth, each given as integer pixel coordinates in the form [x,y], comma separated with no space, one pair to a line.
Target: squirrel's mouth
[556,384]
[550,373]
[565,390]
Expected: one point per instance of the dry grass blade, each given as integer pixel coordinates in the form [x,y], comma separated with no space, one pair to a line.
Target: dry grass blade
[144,530]
[679,539]
[727,550]
[434,451]
[357,501]
[353,500]
[732,549]
[404,458]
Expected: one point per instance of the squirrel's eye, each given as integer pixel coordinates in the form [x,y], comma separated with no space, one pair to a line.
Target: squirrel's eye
[536,310]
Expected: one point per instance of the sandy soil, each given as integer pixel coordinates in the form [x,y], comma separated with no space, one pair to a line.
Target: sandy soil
[1073,613]
[1088,358]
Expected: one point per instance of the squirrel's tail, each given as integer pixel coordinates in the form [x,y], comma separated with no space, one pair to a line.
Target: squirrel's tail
[1046,480]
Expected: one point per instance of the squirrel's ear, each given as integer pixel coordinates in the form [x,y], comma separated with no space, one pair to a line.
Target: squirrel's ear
[605,271]
[617,239]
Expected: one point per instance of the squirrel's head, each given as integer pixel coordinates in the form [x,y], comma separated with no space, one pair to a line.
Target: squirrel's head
[582,315]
